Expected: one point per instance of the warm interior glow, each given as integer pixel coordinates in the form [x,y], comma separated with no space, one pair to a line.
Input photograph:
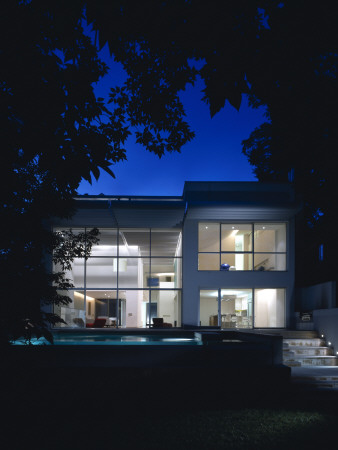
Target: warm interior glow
[164,274]
[78,294]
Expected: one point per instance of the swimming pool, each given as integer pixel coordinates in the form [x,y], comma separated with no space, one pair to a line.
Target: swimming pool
[151,349]
[109,339]
[83,337]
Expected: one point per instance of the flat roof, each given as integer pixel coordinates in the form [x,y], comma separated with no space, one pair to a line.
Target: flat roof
[212,189]
[201,199]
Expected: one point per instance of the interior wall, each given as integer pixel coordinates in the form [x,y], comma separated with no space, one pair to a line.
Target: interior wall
[132,309]
[166,305]
[208,307]
[261,309]
[269,308]
[90,305]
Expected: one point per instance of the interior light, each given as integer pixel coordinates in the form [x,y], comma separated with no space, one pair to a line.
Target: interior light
[78,294]
[206,228]
[164,274]
[263,228]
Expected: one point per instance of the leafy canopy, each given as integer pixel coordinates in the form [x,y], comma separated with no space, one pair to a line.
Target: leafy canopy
[55,132]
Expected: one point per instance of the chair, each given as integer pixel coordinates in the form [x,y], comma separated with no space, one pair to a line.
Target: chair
[98,323]
[78,322]
[158,323]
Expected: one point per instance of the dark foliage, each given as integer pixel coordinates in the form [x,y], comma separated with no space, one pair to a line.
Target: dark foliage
[55,132]
[53,136]
[283,55]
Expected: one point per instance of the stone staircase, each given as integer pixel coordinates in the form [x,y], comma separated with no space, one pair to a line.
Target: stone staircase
[313,363]
[306,349]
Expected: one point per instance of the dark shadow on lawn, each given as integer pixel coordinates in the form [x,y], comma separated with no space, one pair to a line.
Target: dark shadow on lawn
[162,409]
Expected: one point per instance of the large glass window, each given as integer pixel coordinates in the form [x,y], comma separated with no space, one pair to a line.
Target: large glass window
[236,237]
[76,274]
[101,272]
[270,246]
[236,308]
[131,276]
[242,308]
[208,237]
[242,246]
[107,245]
[74,313]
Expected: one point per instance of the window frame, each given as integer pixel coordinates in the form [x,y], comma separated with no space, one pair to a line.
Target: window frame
[118,257]
[252,253]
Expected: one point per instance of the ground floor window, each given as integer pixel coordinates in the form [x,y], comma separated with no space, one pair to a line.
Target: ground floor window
[131,276]
[242,308]
[124,307]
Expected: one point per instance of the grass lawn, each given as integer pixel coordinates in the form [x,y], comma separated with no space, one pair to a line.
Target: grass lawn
[98,410]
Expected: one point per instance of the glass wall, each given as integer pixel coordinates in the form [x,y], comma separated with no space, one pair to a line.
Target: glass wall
[236,308]
[131,276]
[243,246]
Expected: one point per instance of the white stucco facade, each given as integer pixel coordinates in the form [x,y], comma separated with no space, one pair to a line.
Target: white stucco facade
[169,273]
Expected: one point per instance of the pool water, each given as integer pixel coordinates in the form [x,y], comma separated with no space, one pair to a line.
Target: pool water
[101,339]
[118,339]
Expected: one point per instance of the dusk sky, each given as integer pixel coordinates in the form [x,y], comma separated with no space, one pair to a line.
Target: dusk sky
[215,154]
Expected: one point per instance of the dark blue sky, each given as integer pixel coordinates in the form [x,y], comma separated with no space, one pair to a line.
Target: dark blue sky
[213,155]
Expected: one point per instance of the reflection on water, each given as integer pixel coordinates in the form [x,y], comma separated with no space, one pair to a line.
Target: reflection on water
[109,339]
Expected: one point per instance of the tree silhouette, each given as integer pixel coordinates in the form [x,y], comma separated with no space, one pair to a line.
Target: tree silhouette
[52,137]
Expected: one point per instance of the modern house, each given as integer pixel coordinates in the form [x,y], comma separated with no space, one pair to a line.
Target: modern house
[220,255]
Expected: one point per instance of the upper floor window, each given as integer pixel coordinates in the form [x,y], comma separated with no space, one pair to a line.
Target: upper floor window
[130,258]
[242,246]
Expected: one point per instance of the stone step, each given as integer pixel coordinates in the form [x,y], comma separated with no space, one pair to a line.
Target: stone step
[328,383]
[307,350]
[304,360]
[300,342]
[291,363]
[316,382]
[315,377]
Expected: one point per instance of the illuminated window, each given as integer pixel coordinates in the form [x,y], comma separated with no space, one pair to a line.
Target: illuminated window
[130,272]
[242,246]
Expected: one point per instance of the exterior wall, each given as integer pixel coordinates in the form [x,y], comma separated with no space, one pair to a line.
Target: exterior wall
[201,202]
[194,280]
[318,296]
[325,322]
